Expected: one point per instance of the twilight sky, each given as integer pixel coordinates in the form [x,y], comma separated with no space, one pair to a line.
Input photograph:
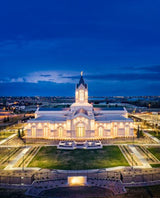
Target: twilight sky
[45,44]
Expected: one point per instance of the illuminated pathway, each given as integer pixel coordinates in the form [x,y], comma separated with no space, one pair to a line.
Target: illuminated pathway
[6,139]
[17,158]
[139,156]
[152,137]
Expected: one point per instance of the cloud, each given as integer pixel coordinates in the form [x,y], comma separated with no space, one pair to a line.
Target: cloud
[132,74]
[153,68]
[41,76]
[121,76]
[46,75]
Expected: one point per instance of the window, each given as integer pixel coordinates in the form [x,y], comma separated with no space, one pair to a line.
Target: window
[45,131]
[80,130]
[115,130]
[33,131]
[127,131]
[100,131]
[81,95]
[60,132]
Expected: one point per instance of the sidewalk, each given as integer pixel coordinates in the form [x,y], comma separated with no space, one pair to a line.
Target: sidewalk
[6,139]
[139,156]
[17,158]
[152,137]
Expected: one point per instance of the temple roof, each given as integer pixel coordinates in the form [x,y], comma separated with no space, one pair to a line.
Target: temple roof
[111,118]
[81,110]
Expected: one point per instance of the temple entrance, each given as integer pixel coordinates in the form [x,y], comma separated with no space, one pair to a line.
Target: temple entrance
[80,130]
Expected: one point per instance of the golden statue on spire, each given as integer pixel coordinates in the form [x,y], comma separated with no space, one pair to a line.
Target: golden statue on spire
[81,73]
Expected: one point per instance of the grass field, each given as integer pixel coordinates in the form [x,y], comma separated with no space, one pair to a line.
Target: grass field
[155,134]
[5,135]
[156,152]
[50,157]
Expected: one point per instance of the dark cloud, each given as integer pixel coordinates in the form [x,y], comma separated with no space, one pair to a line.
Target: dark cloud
[45,75]
[153,68]
[121,77]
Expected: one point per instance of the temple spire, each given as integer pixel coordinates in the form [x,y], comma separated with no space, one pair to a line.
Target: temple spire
[81,81]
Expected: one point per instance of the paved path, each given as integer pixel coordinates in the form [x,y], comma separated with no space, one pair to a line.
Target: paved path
[6,139]
[17,158]
[139,156]
[152,137]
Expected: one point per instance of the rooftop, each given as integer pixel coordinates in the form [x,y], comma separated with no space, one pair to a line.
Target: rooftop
[53,109]
[108,109]
[52,118]
[111,117]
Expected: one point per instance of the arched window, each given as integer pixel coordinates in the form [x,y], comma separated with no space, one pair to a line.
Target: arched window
[100,131]
[60,132]
[45,131]
[81,95]
[127,130]
[33,129]
[115,130]
[80,130]
[39,125]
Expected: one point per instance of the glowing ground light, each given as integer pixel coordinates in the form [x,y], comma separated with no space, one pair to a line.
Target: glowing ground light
[77,181]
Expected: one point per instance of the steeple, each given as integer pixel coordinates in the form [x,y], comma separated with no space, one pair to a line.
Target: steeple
[81,81]
[81,91]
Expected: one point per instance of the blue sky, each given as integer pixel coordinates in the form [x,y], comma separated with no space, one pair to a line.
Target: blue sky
[45,44]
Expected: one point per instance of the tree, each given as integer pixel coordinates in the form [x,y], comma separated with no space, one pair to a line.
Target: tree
[22,133]
[4,120]
[19,133]
[139,133]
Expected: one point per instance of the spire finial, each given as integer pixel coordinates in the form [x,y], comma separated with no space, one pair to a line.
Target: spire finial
[81,73]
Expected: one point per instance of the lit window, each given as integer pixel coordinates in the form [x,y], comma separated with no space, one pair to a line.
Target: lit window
[115,130]
[126,130]
[33,132]
[60,132]
[86,94]
[81,95]
[39,125]
[108,126]
[121,125]
[80,130]
[45,131]
[100,131]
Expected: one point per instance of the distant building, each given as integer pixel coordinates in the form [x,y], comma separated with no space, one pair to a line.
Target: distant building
[80,121]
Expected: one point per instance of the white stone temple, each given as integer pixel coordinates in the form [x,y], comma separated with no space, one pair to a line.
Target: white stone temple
[80,121]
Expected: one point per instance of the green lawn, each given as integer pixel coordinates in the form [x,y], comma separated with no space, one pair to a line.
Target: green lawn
[155,165]
[4,135]
[155,134]
[156,152]
[52,158]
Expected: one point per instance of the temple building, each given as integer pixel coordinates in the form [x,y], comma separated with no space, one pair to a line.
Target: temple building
[80,121]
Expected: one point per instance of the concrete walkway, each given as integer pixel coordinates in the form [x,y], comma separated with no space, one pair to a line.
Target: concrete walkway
[17,158]
[6,139]
[152,137]
[139,156]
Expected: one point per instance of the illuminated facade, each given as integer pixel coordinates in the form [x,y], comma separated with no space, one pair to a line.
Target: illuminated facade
[80,121]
